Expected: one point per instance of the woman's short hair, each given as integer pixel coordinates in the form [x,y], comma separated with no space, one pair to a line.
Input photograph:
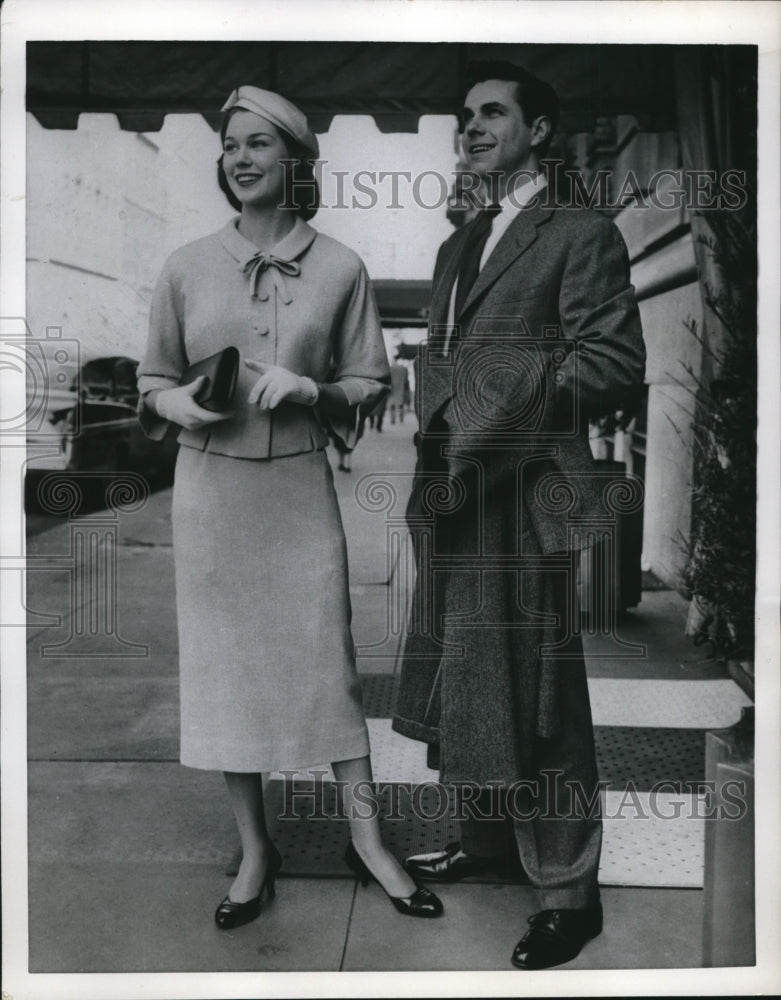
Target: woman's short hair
[302,192]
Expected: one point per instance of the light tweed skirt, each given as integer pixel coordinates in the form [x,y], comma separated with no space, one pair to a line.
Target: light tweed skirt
[266,657]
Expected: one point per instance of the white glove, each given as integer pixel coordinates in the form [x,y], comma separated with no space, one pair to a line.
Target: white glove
[179,406]
[277,385]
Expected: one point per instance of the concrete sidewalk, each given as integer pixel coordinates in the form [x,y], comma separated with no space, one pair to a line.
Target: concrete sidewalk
[128,850]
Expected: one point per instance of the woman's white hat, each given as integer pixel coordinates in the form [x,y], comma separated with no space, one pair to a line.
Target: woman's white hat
[278,111]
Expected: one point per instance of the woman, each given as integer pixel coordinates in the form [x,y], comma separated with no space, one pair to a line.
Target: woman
[267,668]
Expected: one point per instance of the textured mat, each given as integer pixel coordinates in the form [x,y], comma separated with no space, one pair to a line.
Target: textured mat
[645,756]
[711,704]
[379,695]
[650,839]
[642,755]
[653,840]
[687,704]
[306,825]
[637,755]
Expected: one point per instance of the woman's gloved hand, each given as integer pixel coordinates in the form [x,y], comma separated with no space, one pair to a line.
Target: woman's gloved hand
[178,405]
[277,385]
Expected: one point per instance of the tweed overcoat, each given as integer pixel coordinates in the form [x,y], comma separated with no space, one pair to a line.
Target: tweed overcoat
[505,483]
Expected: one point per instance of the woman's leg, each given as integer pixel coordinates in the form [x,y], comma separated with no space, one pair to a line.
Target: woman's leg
[366,831]
[246,795]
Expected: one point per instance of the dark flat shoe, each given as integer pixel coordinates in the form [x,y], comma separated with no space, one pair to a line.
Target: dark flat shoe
[556,936]
[229,914]
[421,903]
[451,864]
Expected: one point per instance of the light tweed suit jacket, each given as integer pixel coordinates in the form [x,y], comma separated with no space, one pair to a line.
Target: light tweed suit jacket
[307,306]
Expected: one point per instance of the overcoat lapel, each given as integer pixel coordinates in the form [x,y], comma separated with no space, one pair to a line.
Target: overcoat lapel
[520,234]
[443,286]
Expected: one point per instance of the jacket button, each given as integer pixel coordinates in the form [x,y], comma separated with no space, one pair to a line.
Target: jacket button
[262,331]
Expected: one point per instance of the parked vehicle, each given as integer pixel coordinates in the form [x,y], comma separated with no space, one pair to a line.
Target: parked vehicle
[92,425]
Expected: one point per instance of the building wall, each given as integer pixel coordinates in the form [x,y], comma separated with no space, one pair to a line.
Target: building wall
[661,252]
[106,207]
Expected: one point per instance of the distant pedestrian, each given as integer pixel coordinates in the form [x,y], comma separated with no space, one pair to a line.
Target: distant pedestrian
[344,452]
[399,393]
[267,662]
[377,415]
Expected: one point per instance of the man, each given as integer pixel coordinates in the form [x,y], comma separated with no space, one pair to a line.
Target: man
[534,330]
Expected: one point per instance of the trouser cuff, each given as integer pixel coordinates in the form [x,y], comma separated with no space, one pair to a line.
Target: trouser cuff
[569,899]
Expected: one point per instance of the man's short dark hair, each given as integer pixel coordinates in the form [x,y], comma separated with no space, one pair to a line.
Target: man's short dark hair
[535,97]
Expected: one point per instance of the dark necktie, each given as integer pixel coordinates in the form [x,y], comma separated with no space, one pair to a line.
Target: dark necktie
[471,252]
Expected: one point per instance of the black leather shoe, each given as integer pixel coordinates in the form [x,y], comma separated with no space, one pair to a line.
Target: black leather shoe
[449,865]
[556,936]
[421,903]
[229,914]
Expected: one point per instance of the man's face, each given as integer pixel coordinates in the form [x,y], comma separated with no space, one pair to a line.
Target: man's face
[495,136]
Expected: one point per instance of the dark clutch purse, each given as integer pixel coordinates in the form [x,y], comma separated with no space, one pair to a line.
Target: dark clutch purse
[222,372]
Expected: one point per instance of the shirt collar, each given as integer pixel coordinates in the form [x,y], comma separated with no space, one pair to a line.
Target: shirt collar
[289,247]
[520,196]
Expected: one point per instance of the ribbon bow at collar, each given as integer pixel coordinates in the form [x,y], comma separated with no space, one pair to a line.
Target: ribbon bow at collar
[277,268]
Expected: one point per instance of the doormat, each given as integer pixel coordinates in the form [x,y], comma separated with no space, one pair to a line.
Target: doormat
[649,843]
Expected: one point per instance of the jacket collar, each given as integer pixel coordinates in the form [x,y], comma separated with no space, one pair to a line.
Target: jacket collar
[518,199]
[243,250]
[520,234]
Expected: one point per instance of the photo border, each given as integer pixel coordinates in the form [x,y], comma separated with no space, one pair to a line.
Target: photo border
[390,20]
